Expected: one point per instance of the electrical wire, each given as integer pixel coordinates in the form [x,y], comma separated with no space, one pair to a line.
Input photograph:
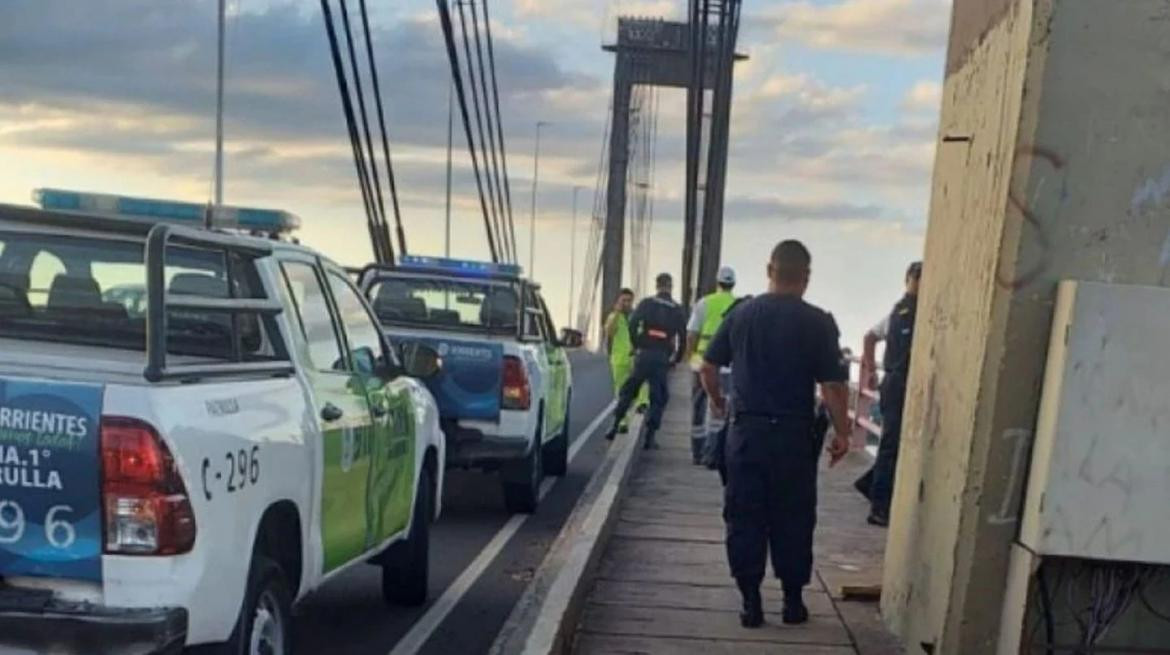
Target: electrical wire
[457,77]
[401,233]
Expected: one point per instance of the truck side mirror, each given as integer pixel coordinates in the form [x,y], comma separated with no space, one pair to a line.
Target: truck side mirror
[571,338]
[420,360]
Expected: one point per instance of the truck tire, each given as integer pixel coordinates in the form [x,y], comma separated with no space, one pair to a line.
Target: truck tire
[522,481]
[556,453]
[266,616]
[406,570]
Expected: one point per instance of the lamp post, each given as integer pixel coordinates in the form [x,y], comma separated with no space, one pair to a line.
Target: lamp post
[573,255]
[535,183]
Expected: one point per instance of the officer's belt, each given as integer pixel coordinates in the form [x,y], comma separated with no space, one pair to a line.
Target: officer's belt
[775,418]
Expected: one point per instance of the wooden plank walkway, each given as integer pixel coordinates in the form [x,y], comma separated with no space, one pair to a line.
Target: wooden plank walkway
[663,586]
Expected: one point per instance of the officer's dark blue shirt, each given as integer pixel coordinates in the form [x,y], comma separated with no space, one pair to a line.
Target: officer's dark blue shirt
[900,339]
[658,324]
[778,348]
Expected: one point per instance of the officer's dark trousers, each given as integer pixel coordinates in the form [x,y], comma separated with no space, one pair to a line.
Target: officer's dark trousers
[882,487]
[651,368]
[770,502]
[698,417]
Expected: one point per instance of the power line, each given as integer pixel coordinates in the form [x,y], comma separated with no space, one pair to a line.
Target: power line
[382,127]
[457,76]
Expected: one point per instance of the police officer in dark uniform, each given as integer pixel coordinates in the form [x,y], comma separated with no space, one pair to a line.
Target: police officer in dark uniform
[657,330]
[899,341]
[779,347]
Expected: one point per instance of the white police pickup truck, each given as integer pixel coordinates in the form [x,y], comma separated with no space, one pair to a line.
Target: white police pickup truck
[180,475]
[505,388]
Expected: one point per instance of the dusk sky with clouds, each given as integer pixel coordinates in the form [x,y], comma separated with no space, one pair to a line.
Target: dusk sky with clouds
[833,131]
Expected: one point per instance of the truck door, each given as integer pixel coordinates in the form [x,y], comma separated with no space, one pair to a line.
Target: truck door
[341,409]
[390,486]
[558,362]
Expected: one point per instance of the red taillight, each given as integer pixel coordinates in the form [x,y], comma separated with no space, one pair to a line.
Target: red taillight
[147,511]
[515,392]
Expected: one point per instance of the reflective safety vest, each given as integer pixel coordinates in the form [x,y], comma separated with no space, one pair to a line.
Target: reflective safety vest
[716,306]
[621,349]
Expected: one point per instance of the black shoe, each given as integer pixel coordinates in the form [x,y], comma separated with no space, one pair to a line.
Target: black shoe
[879,519]
[623,429]
[795,613]
[862,484]
[609,436]
[752,615]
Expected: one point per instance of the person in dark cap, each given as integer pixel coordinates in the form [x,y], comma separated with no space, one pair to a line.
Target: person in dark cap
[897,330]
[778,347]
[657,330]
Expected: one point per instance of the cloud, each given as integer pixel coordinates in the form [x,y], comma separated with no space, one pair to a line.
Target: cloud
[925,95]
[893,27]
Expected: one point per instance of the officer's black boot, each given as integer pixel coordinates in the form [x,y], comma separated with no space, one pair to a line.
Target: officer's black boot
[752,615]
[650,442]
[795,612]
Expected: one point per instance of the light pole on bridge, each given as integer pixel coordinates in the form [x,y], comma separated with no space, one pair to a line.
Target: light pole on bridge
[535,183]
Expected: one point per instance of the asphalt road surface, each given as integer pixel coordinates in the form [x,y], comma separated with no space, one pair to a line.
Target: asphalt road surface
[482,558]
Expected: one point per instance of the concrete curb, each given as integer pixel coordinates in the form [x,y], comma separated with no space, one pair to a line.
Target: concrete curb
[544,619]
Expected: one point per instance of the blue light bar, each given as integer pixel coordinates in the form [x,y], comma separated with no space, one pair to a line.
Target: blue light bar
[460,266]
[239,218]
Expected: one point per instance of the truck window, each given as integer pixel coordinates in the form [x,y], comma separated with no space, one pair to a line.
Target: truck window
[361,332]
[88,291]
[533,319]
[446,304]
[316,322]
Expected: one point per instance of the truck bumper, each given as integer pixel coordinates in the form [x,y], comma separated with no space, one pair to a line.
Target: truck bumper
[34,622]
[472,448]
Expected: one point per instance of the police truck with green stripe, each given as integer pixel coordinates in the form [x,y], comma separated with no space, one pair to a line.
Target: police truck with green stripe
[198,427]
[505,387]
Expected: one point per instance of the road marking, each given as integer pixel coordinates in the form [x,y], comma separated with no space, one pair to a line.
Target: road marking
[422,629]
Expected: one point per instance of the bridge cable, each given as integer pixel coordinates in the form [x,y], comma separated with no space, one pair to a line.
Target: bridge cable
[457,76]
[383,229]
[482,143]
[351,126]
[499,122]
[382,128]
[491,121]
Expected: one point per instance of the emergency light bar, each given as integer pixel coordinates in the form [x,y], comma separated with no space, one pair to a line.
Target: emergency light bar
[193,214]
[462,266]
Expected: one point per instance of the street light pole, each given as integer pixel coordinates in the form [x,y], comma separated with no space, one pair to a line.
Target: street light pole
[535,183]
[573,255]
[219,107]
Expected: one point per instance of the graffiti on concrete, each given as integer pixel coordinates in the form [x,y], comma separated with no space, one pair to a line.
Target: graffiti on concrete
[1027,274]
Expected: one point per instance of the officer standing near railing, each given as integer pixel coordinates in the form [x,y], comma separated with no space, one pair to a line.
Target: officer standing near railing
[897,330]
[779,347]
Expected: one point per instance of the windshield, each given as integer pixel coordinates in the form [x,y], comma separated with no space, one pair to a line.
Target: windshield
[444,303]
[92,292]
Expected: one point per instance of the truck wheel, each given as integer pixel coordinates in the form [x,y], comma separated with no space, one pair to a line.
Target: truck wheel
[556,455]
[522,482]
[405,573]
[266,616]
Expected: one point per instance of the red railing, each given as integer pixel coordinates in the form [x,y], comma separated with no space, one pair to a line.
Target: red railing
[863,402]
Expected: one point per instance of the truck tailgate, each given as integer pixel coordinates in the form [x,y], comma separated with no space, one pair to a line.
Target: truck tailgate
[50,495]
[468,386]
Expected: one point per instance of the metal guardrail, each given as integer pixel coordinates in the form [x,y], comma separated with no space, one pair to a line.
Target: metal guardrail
[863,398]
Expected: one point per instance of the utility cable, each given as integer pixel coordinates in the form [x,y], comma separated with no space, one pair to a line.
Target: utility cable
[487,21]
[457,76]
[382,128]
[491,121]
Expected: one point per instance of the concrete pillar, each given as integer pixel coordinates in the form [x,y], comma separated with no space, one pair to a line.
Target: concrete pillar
[613,244]
[1053,163]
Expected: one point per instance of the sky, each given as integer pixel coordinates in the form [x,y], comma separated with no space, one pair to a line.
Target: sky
[833,126]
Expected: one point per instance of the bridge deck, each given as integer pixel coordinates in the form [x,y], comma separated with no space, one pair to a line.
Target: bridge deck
[663,585]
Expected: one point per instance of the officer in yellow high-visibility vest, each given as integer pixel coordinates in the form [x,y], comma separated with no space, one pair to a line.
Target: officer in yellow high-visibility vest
[621,349]
[706,317]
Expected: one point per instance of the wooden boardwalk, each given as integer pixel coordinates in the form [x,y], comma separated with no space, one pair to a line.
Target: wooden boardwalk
[663,586]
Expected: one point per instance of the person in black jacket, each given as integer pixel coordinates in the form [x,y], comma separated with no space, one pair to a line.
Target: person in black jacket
[658,331]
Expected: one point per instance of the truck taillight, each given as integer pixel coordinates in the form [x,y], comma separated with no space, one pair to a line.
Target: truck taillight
[146,507]
[515,391]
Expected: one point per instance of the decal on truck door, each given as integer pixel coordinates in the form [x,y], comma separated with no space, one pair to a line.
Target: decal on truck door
[50,492]
[468,386]
[391,486]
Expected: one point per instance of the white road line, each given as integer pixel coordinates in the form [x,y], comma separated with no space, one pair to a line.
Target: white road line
[422,630]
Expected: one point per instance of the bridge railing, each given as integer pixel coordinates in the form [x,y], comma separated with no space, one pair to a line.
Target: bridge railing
[864,399]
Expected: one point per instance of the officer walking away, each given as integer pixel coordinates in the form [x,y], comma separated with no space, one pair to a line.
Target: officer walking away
[656,329]
[706,317]
[619,344]
[779,347]
[898,332]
